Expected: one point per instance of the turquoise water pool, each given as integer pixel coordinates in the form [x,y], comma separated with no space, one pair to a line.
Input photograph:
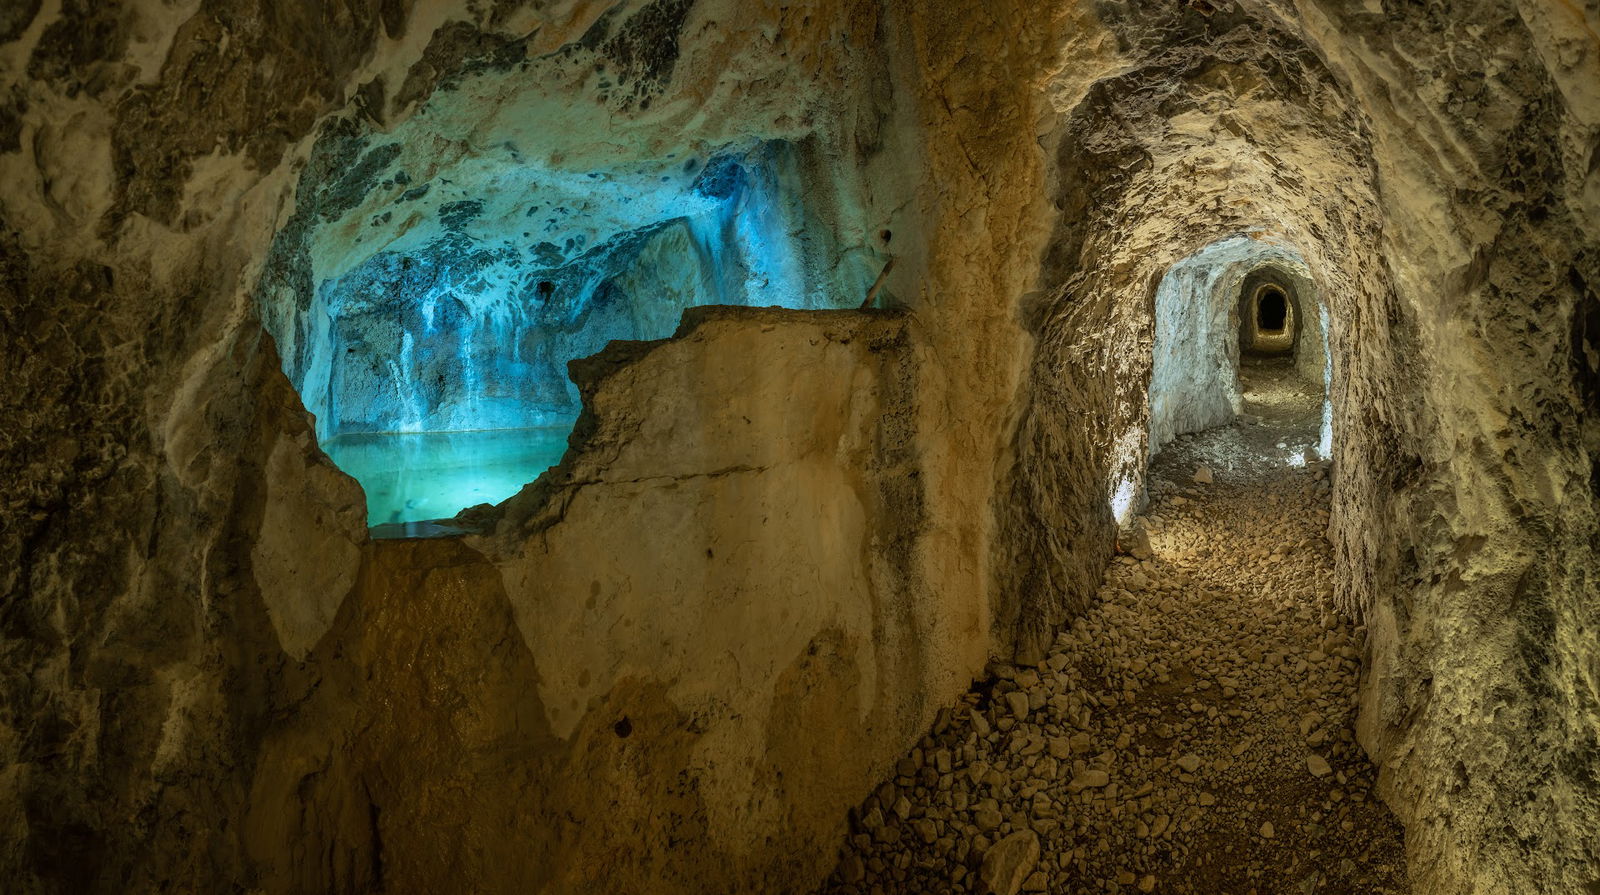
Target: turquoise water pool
[410,477]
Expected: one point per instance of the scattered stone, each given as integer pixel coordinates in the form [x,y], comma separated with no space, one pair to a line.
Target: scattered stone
[851,869]
[1137,544]
[1089,780]
[1009,862]
[980,724]
[1202,475]
[1317,765]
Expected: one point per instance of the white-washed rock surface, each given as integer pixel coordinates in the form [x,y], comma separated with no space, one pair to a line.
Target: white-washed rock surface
[1190,733]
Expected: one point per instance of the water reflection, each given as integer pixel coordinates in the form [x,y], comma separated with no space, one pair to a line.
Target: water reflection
[410,477]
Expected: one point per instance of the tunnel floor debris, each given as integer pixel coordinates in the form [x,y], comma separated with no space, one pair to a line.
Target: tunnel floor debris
[1192,732]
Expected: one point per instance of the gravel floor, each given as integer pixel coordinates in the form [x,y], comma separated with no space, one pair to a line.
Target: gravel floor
[1191,733]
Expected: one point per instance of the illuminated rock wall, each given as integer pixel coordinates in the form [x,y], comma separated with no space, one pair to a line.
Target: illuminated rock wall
[483,282]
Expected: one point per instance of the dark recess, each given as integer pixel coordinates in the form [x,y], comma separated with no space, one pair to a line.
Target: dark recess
[1271,311]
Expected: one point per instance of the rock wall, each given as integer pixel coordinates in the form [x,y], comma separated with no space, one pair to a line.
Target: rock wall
[460,726]
[1470,536]
[730,615]
[418,293]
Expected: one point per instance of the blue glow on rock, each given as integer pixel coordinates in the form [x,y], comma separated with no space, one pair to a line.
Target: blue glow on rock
[461,316]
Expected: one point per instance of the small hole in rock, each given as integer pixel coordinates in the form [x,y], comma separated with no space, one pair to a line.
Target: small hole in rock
[623,728]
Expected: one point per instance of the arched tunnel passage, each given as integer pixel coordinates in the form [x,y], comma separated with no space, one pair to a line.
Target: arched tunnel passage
[1202,375]
[1270,314]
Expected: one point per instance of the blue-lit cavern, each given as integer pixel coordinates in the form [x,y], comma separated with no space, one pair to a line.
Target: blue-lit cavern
[426,318]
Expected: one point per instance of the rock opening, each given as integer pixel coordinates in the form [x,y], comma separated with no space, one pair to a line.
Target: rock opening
[427,300]
[1272,310]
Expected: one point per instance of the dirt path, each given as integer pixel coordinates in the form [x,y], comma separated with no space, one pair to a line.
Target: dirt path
[1191,733]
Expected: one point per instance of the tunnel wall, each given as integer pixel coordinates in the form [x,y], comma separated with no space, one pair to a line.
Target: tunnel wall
[1466,522]
[1194,379]
[747,672]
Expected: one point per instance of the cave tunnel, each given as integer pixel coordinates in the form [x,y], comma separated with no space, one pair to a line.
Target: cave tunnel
[1225,335]
[851,447]
[1268,318]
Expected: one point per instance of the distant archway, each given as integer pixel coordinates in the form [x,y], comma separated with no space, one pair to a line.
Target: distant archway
[1269,321]
[1272,310]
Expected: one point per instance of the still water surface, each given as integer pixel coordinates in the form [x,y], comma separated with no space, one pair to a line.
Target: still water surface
[410,477]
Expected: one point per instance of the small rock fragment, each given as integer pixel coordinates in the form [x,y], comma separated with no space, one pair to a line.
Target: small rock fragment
[1009,862]
[980,724]
[1089,780]
[1017,701]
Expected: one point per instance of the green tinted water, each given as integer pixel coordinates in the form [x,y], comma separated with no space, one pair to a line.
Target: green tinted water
[410,477]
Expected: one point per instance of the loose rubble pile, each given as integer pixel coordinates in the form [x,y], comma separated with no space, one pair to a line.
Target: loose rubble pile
[1191,733]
